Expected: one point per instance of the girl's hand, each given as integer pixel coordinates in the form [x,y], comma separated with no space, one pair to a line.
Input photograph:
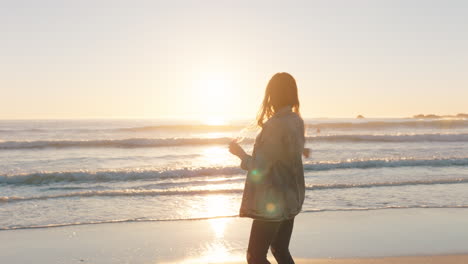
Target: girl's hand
[306,152]
[237,150]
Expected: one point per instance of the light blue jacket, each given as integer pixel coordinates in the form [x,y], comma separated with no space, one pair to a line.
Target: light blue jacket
[274,188]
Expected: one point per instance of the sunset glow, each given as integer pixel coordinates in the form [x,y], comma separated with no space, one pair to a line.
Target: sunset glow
[213,95]
[211,61]
[212,131]
[214,121]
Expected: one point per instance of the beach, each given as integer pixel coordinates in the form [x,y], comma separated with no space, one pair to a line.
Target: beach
[138,132]
[155,191]
[372,236]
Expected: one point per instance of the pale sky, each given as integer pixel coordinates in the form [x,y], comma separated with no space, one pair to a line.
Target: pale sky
[201,59]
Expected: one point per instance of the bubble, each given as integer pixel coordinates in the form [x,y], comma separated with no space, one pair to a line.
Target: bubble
[247,132]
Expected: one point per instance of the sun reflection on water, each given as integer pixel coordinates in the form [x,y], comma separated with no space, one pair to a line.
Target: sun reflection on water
[216,154]
[215,248]
[216,252]
[217,205]
[219,225]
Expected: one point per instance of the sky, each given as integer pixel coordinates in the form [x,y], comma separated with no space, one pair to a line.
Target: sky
[212,59]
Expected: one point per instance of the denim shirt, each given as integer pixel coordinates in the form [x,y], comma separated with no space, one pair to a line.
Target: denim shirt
[274,188]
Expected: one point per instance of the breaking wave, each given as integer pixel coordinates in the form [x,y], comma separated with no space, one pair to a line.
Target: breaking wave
[112,143]
[139,192]
[132,175]
[165,142]
[392,138]
[411,123]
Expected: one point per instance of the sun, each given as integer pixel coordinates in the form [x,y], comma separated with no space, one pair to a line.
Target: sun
[213,96]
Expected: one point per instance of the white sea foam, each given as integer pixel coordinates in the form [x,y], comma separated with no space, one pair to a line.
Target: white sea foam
[115,175]
[122,126]
[178,191]
[164,142]
[437,137]
[391,124]
[386,184]
[112,143]
[132,175]
[126,192]
[385,163]
[133,220]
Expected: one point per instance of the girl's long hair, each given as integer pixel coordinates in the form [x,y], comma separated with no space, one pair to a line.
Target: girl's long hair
[280,91]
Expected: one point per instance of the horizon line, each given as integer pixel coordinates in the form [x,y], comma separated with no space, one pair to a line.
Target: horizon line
[201,119]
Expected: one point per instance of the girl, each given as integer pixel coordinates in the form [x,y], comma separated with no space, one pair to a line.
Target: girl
[274,188]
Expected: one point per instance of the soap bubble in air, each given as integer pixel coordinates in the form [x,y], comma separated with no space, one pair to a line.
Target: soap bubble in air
[246,133]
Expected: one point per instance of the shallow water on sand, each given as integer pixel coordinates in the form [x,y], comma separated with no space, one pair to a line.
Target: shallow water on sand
[66,172]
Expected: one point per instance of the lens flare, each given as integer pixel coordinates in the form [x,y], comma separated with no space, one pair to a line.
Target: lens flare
[256,176]
[271,207]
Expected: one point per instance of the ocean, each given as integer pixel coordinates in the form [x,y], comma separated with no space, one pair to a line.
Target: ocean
[75,172]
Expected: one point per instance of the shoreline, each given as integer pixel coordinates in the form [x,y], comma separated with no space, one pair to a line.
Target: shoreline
[340,237]
[129,221]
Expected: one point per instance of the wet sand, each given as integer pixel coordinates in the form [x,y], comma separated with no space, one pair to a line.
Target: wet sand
[345,237]
[450,259]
